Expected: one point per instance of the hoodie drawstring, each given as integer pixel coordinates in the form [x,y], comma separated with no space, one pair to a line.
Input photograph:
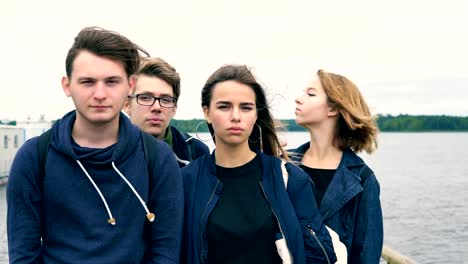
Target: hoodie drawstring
[112,221]
[149,215]
[111,218]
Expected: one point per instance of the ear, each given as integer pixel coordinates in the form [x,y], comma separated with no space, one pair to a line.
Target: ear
[66,86]
[332,111]
[206,111]
[131,84]
[127,108]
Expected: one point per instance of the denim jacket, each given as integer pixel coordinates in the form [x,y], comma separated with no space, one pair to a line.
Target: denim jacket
[295,209]
[351,207]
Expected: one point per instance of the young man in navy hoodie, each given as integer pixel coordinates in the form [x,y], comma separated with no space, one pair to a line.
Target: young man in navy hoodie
[95,202]
[156,80]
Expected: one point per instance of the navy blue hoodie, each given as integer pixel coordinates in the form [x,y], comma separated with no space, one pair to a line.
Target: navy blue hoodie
[61,217]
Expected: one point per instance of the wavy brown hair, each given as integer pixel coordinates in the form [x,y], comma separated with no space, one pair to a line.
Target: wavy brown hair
[242,74]
[108,44]
[356,127]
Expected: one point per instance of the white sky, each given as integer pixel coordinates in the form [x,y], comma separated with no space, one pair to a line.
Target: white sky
[406,56]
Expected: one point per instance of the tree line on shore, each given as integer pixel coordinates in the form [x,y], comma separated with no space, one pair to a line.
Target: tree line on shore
[386,123]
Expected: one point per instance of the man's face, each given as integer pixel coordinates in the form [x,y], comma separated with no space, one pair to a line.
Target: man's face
[98,87]
[151,119]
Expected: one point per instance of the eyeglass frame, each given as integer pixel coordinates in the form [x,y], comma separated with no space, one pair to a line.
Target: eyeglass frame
[154,100]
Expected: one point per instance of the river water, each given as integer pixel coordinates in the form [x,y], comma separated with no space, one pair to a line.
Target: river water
[424,194]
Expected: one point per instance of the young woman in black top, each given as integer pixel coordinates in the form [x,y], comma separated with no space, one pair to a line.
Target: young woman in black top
[237,208]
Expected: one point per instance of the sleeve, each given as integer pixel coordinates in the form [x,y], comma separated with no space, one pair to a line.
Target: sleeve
[368,231]
[166,201]
[24,200]
[317,241]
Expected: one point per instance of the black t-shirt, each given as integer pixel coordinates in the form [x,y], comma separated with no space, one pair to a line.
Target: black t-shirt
[242,227]
[321,178]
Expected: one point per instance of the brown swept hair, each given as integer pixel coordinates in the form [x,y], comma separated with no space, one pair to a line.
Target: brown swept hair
[107,44]
[243,75]
[356,127]
[157,67]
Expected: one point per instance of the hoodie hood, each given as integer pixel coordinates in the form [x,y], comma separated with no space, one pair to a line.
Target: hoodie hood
[127,143]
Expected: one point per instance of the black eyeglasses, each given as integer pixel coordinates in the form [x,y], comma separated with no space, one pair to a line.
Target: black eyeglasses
[149,100]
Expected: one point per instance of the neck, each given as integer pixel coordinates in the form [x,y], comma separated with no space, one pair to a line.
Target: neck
[92,135]
[322,153]
[229,156]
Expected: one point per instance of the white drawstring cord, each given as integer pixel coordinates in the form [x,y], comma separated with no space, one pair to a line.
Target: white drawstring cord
[149,215]
[111,218]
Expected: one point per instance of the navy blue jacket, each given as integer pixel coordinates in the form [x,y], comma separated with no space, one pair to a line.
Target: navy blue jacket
[351,207]
[299,222]
[186,147]
[65,211]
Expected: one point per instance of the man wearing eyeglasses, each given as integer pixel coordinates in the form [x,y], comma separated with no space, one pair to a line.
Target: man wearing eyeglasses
[154,103]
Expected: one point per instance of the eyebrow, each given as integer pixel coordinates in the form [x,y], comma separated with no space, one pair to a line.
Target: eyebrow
[107,78]
[152,94]
[230,103]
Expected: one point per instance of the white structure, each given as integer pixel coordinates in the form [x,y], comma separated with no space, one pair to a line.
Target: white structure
[11,139]
[34,128]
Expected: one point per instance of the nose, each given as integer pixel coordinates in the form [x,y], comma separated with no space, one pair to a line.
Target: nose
[100,91]
[156,107]
[298,100]
[235,114]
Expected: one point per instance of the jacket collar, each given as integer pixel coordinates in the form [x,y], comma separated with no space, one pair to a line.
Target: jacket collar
[346,183]
[266,161]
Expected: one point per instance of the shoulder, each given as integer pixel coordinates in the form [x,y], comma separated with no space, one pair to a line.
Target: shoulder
[296,154]
[296,173]
[358,166]
[195,165]
[25,163]
[29,149]
[199,145]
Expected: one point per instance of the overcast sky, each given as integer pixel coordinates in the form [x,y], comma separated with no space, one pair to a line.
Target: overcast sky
[406,56]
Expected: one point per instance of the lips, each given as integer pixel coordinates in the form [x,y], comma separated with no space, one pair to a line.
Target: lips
[154,121]
[99,107]
[235,130]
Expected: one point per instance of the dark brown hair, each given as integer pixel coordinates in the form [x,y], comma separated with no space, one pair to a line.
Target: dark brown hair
[243,75]
[108,44]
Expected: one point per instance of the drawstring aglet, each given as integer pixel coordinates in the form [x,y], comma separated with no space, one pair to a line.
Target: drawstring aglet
[111,221]
[150,217]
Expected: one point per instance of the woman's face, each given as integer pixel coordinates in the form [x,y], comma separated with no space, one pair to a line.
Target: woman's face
[312,105]
[232,112]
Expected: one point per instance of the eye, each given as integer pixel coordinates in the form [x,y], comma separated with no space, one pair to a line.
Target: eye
[87,82]
[145,97]
[247,108]
[167,100]
[224,107]
[112,82]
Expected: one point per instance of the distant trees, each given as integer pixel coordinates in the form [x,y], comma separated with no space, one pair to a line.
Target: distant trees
[10,123]
[386,123]
[422,123]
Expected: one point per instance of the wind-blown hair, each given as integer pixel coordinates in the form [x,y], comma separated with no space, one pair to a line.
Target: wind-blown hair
[356,127]
[242,74]
[108,44]
[157,67]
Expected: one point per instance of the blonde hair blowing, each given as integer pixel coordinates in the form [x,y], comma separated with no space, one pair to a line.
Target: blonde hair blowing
[356,127]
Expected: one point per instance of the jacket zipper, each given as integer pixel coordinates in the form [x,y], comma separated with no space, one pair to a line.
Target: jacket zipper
[206,207]
[312,232]
[277,220]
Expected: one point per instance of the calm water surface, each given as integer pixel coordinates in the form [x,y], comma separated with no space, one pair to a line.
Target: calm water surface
[424,194]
